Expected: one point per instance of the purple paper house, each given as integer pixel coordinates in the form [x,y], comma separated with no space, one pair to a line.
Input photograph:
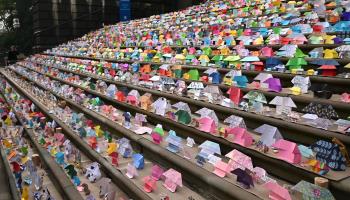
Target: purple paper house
[274,84]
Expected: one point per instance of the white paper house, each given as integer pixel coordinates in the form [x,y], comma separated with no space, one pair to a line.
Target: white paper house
[284,105]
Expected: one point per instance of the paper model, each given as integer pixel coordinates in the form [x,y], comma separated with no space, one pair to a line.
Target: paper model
[241,81]
[277,192]
[133,97]
[138,161]
[207,124]
[104,184]
[274,84]
[140,119]
[221,169]
[284,105]
[288,151]
[235,121]
[205,112]
[174,143]
[240,136]
[256,100]
[321,110]
[262,77]
[111,91]
[208,148]
[160,106]
[269,134]
[124,147]
[156,172]
[329,153]
[59,158]
[235,95]
[93,172]
[190,142]
[239,160]
[302,82]
[312,191]
[149,184]
[243,178]
[173,180]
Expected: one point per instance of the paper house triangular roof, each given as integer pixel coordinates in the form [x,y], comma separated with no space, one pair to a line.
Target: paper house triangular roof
[211,147]
[312,191]
[269,134]
[182,106]
[263,77]
[205,112]
[283,101]
[212,89]
[196,85]
[235,121]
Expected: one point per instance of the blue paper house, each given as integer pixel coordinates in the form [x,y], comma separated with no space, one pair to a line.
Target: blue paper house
[138,161]
[59,158]
[241,81]
[216,77]
[124,147]
[329,153]
[272,62]
[174,143]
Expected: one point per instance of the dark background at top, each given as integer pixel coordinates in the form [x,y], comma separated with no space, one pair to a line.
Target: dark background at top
[58,21]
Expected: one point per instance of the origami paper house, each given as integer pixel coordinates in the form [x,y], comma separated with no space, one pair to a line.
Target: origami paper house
[160,106]
[146,101]
[274,84]
[174,143]
[207,124]
[133,97]
[93,172]
[59,158]
[262,77]
[284,105]
[316,53]
[312,191]
[327,70]
[232,60]
[277,192]
[288,151]
[205,112]
[267,52]
[241,81]
[321,110]
[302,82]
[209,148]
[296,63]
[240,136]
[239,160]
[330,154]
[173,180]
[149,184]
[111,91]
[256,99]
[243,178]
[131,171]
[306,151]
[235,121]
[271,63]
[235,95]
[156,172]
[124,147]
[138,161]
[221,169]
[269,134]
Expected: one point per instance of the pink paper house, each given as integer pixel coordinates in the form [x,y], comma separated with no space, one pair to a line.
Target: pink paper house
[131,171]
[240,136]
[221,168]
[132,100]
[156,138]
[239,160]
[277,192]
[207,124]
[149,184]
[288,151]
[172,179]
[156,172]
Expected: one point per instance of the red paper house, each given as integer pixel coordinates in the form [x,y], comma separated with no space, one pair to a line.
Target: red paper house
[258,66]
[285,40]
[235,95]
[328,70]
[149,184]
[120,96]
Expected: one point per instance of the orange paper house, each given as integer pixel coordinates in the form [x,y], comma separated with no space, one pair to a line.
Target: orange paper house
[146,101]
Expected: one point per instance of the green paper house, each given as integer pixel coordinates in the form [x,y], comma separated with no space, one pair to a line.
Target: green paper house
[218,59]
[232,60]
[183,116]
[299,53]
[296,63]
[194,74]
